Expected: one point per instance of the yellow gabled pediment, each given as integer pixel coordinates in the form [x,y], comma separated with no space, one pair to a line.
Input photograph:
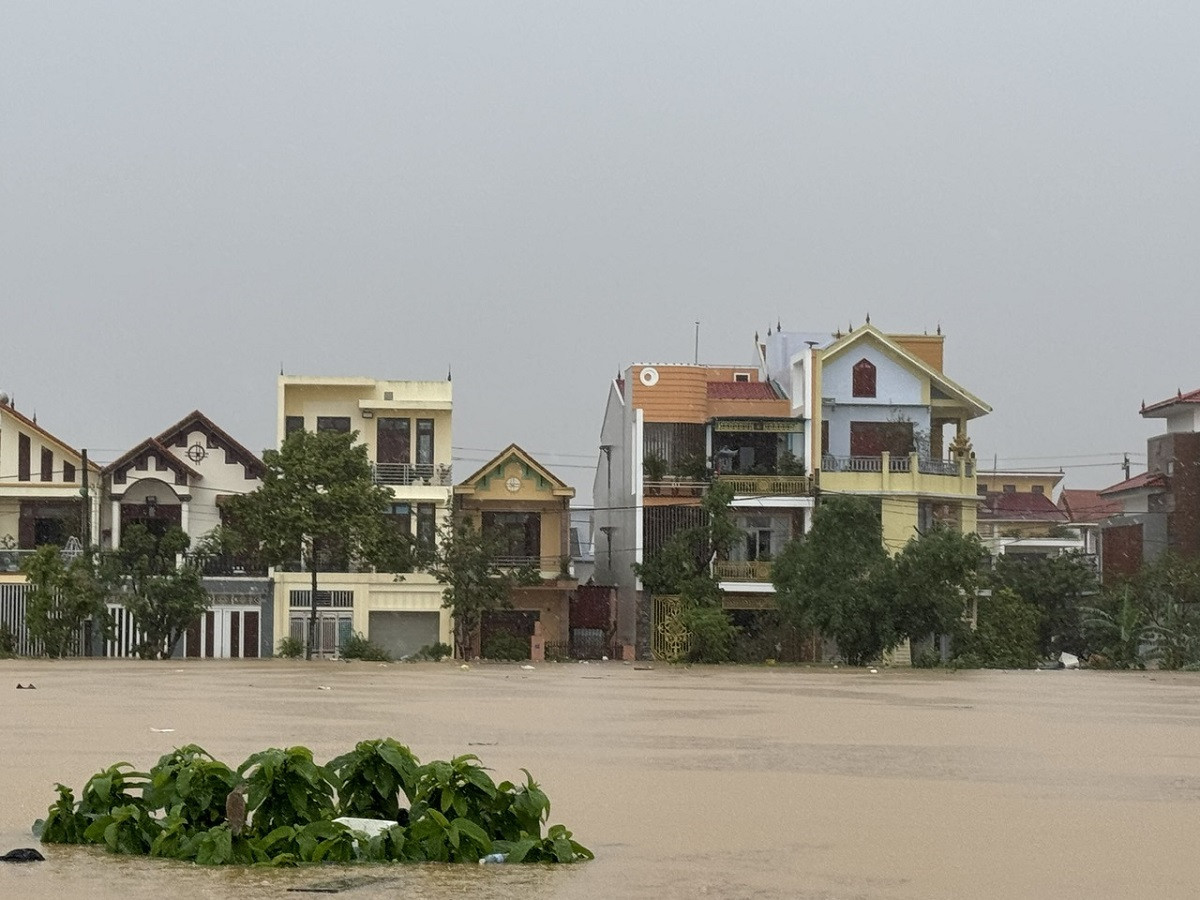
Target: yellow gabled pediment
[513,471]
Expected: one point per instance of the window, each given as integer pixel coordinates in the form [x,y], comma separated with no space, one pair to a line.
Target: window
[392,440]
[68,472]
[424,442]
[981,490]
[23,452]
[426,526]
[1010,488]
[340,424]
[864,378]
[741,376]
[1037,489]
[400,517]
[47,464]
[293,423]
[765,536]
[519,535]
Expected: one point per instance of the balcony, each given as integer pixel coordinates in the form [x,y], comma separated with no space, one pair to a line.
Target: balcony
[675,487]
[769,485]
[227,566]
[411,473]
[909,473]
[745,571]
[546,566]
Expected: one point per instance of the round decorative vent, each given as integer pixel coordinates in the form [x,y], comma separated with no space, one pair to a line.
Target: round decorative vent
[649,376]
[196,452]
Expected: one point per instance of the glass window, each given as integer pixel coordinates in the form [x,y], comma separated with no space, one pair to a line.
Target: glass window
[293,423]
[23,452]
[339,424]
[1038,489]
[424,442]
[68,472]
[519,534]
[47,464]
[426,526]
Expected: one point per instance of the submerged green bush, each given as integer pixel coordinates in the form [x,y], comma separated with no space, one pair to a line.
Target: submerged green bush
[278,808]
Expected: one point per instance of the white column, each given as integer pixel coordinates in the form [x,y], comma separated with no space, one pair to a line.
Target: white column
[116,525]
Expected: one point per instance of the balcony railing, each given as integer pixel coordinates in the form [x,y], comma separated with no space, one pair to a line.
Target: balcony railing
[411,473]
[559,564]
[772,485]
[925,465]
[10,560]
[678,487]
[228,566]
[747,570]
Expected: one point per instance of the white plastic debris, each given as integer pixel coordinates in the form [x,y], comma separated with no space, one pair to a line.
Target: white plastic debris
[369,827]
[162,730]
[527,667]
[1069,660]
[464,666]
[324,687]
[874,671]
[604,659]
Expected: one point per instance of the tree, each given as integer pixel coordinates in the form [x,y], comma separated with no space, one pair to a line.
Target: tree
[1154,614]
[683,566]
[162,598]
[1059,587]
[1005,637]
[840,580]
[464,560]
[62,595]
[318,497]
[935,575]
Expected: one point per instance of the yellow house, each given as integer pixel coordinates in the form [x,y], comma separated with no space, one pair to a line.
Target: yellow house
[406,426]
[519,499]
[889,424]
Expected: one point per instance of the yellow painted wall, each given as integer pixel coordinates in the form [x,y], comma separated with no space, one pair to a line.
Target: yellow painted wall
[530,497]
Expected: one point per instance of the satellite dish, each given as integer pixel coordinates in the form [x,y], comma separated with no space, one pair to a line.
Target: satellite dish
[649,376]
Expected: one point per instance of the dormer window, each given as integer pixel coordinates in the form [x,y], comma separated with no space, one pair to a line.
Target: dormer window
[864,378]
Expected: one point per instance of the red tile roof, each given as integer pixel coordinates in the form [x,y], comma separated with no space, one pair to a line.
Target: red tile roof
[1189,397]
[741,390]
[1009,506]
[1145,480]
[1088,507]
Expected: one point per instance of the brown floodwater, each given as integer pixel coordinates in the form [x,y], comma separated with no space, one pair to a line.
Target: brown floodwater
[686,782]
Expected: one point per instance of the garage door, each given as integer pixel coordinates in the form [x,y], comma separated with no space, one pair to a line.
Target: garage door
[403,633]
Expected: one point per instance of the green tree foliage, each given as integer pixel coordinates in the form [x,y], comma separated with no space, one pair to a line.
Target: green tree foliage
[1006,636]
[935,574]
[318,493]
[464,560]
[683,567]
[181,809]
[162,598]
[1059,587]
[62,595]
[840,580]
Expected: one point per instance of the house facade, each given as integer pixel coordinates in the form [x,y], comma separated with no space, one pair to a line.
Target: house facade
[527,509]
[182,477]
[1018,515]
[1161,507]
[49,495]
[668,429]
[406,427]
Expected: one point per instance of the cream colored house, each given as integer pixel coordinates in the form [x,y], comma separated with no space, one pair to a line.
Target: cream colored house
[41,490]
[406,427]
[516,497]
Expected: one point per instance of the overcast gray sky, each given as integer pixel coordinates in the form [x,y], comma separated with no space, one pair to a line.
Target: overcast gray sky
[541,193]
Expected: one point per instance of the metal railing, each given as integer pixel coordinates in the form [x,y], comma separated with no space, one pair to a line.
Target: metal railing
[745,570]
[559,564]
[774,485]
[925,465]
[10,560]
[411,473]
[675,488]
[227,566]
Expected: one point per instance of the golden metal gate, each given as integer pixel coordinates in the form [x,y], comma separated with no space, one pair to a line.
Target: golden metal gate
[669,639]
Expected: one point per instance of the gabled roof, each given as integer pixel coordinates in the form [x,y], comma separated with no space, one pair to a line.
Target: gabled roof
[495,468]
[1087,507]
[1136,483]
[1019,506]
[45,435]
[197,421]
[741,390]
[952,388]
[173,462]
[1163,405]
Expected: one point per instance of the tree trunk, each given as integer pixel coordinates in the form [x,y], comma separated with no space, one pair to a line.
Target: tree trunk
[312,617]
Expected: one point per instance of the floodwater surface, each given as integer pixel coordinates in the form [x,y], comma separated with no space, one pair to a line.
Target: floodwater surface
[686,782]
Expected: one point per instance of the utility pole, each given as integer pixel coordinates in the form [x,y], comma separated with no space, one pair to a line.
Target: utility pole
[85,524]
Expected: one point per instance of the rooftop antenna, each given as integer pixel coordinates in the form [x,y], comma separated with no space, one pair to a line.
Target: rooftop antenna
[448,374]
[697,357]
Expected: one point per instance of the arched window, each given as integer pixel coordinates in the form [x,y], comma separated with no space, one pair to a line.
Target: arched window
[864,378]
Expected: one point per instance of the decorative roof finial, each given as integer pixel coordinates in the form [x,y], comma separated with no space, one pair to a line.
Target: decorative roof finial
[756,338]
[868,318]
[778,325]
[448,374]
[768,331]
[939,330]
